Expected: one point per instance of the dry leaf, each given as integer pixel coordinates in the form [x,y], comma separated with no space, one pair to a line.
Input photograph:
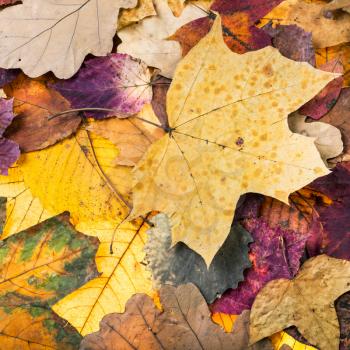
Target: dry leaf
[144,8]
[328,138]
[34,102]
[309,16]
[306,302]
[61,33]
[148,40]
[284,341]
[336,5]
[229,135]
[132,136]
[184,323]
[122,275]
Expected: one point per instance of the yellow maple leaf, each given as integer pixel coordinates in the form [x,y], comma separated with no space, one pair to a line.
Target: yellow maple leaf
[228,136]
[122,275]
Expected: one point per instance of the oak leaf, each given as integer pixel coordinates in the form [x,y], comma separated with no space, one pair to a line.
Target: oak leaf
[147,40]
[309,16]
[227,137]
[180,265]
[132,136]
[183,323]
[34,103]
[60,34]
[306,302]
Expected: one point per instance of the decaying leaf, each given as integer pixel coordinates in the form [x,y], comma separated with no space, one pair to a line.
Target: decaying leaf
[229,136]
[7,75]
[184,323]
[143,9]
[306,302]
[327,98]
[148,40]
[160,89]
[342,306]
[180,265]
[309,16]
[292,41]
[336,5]
[60,34]
[132,136]
[122,275]
[118,82]
[238,19]
[38,267]
[328,138]
[339,116]
[284,341]
[9,150]
[275,253]
[34,102]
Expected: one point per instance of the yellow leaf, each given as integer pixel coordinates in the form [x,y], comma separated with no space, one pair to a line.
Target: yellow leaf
[229,135]
[309,16]
[144,8]
[122,275]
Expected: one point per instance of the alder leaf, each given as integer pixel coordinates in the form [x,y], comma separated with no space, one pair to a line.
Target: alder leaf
[122,275]
[116,82]
[229,136]
[132,136]
[180,265]
[309,16]
[306,302]
[38,267]
[328,138]
[34,102]
[60,34]
[147,40]
[184,323]
[275,253]
[9,150]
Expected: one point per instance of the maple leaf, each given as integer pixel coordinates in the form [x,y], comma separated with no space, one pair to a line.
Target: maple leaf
[306,302]
[147,40]
[184,323]
[275,253]
[34,102]
[308,15]
[132,136]
[228,136]
[117,82]
[9,150]
[60,34]
[180,265]
[38,267]
[238,19]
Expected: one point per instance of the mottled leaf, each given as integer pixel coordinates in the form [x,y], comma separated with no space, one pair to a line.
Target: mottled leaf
[116,82]
[7,75]
[275,253]
[144,8]
[180,264]
[34,102]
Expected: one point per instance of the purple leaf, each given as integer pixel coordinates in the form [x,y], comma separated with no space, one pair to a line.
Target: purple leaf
[117,82]
[6,114]
[274,254]
[7,75]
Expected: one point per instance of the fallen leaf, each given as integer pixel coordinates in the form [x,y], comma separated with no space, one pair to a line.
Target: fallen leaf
[132,136]
[342,306]
[184,323]
[275,253]
[339,116]
[60,42]
[117,82]
[309,16]
[328,138]
[34,102]
[238,19]
[218,120]
[339,52]
[38,267]
[337,5]
[306,302]
[283,341]
[160,89]
[9,150]
[327,98]
[122,275]
[7,75]
[148,40]
[180,265]
[143,9]
[292,42]
[8,2]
